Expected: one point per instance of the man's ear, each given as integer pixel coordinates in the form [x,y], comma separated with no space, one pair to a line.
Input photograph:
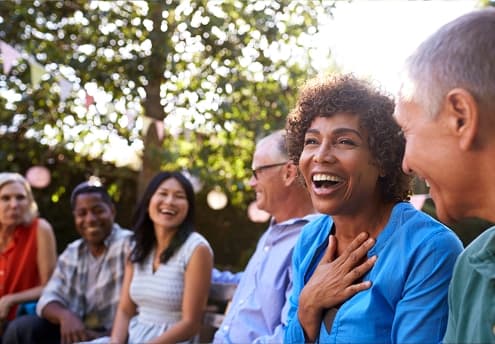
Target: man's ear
[463,112]
[291,173]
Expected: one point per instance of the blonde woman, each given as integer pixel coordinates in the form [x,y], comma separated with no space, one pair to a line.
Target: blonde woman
[27,246]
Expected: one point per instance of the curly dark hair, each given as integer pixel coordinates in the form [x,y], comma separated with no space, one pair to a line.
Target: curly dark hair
[326,96]
[144,235]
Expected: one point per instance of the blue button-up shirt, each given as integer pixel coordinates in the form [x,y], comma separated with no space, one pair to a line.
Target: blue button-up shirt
[407,301]
[259,307]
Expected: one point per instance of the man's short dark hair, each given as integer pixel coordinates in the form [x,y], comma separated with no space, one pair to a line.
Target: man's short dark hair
[90,187]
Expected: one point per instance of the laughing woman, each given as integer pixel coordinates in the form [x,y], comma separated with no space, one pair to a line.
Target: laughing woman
[376,270]
[167,280]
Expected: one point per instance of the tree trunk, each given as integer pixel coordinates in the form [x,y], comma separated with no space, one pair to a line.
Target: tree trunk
[151,158]
[155,65]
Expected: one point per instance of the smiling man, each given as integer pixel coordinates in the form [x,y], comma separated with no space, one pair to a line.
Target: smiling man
[259,307]
[446,110]
[80,299]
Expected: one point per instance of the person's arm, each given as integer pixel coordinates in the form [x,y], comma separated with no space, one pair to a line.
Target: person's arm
[196,286]
[46,259]
[72,328]
[277,336]
[126,309]
[47,251]
[55,299]
[422,312]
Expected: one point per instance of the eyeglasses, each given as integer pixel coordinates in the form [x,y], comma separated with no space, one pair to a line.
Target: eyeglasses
[264,167]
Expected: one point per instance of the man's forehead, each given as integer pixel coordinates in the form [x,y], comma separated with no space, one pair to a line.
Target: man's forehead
[88,197]
[266,153]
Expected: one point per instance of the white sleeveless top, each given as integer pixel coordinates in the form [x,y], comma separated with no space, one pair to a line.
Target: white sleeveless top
[158,295]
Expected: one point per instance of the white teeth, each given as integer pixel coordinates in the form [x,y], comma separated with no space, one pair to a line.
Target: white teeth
[168,211]
[91,229]
[326,178]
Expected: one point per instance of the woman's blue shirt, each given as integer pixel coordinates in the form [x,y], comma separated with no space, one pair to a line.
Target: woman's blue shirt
[407,302]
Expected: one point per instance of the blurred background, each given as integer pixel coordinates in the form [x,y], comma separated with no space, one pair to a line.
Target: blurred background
[118,90]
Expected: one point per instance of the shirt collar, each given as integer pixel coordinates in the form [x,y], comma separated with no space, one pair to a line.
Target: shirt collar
[482,260]
[307,218]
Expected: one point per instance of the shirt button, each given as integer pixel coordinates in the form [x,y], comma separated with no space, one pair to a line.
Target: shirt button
[266,248]
[226,328]
[241,302]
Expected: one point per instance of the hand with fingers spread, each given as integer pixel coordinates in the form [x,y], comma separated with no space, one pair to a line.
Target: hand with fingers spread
[335,280]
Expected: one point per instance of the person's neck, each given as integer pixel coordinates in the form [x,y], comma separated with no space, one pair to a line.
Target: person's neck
[7,230]
[480,203]
[97,250]
[372,220]
[479,195]
[163,238]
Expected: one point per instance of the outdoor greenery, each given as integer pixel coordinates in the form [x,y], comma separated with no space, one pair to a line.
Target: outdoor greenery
[221,73]
[67,170]
[217,74]
[171,84]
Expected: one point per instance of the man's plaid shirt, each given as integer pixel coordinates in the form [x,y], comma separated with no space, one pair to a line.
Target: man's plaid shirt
[68,283]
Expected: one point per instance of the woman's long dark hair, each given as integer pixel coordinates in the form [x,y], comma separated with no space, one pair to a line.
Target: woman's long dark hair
[144,233]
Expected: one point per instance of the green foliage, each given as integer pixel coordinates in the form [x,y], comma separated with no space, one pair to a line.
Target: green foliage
[486,3]
[67,170]
[222,73]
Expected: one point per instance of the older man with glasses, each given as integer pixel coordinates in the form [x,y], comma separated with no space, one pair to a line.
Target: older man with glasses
[259,307]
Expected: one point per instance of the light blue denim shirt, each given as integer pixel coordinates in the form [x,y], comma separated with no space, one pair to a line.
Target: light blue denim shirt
[260,303]
[407,302]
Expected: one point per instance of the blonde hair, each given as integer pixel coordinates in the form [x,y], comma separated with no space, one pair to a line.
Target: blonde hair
[32,209]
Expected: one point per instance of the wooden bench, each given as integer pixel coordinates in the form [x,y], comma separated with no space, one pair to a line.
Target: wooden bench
[218,303]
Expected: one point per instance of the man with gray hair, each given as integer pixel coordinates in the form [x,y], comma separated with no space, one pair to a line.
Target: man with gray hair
[260,304]
[446,108]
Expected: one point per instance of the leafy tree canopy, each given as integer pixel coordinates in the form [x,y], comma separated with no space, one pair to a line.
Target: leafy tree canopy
[218,74]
